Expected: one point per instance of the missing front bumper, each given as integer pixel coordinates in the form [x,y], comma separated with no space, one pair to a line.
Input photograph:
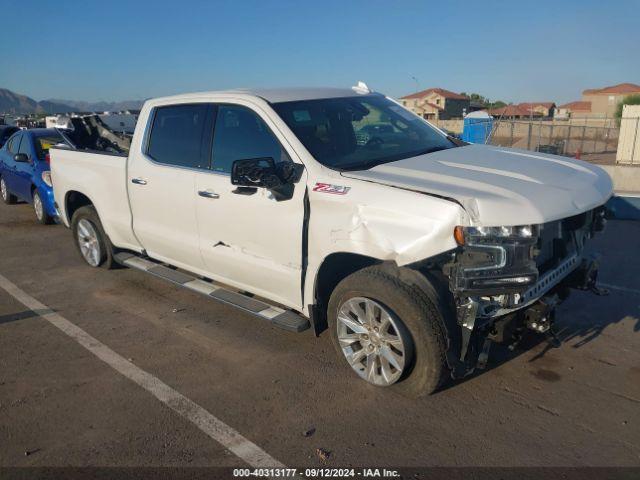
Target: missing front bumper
[481,322]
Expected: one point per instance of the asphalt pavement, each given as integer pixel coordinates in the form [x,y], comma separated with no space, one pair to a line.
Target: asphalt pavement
[288,394]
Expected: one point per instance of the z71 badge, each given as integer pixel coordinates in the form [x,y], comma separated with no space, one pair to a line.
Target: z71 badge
[328,188]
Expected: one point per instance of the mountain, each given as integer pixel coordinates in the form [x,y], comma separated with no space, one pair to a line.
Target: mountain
[82,106]
[47,106]
[11,102]
[14,103]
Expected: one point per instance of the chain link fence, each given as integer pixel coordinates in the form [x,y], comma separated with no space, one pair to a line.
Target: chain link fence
[553,137]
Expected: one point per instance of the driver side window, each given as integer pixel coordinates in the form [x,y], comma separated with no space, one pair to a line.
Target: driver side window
[24,146]
[240,134]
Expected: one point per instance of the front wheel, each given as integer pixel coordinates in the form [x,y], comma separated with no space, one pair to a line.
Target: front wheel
[388,331]
[6,195]
[90,239]
[373,340]
[41,213]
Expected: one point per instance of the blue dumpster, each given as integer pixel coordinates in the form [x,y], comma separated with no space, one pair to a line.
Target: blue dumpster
[477,127]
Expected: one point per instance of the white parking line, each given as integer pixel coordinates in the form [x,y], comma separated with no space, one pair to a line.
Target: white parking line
[201,418]
[621,289]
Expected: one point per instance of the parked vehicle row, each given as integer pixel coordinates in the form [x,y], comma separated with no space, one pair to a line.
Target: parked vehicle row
[25,170]
[338,209]
[5,132]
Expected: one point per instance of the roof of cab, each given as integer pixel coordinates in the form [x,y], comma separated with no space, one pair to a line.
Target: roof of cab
[276,95]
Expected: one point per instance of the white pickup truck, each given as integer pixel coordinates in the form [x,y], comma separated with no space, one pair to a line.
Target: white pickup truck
[339,209]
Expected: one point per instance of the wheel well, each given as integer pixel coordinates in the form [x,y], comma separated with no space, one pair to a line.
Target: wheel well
[333,270]
[74,201]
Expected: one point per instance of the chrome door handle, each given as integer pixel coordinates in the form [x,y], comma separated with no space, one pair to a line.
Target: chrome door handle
[138,181]
[208,194]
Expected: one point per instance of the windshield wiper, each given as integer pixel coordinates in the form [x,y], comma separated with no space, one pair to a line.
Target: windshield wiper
[358,165]
[456,141]
[375,163]
[429,150]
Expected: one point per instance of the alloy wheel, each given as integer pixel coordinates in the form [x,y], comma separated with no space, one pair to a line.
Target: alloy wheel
[88,242]
[38,207]
[3,190]
[373,341]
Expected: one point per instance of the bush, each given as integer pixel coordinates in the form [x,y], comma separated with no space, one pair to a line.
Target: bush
[628,100]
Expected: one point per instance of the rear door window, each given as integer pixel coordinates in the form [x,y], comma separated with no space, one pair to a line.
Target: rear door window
[178,133]
[14,143]
[240,134]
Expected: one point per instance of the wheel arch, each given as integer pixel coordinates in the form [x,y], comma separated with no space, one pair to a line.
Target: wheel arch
[333,269]
[337,266]
[73,200]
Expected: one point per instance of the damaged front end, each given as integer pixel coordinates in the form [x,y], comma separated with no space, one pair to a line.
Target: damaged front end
[506,280]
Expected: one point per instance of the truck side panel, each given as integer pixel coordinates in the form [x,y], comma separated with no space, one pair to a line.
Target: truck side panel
[103,179]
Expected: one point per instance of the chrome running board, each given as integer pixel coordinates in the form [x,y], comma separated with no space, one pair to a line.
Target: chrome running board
[280,317]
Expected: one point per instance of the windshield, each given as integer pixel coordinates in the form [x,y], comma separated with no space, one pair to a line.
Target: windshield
[359,132]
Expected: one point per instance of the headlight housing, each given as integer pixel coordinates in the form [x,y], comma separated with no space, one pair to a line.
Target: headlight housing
[494,260]
[469,235]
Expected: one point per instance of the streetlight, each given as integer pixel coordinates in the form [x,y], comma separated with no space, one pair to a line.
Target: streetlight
[417,83]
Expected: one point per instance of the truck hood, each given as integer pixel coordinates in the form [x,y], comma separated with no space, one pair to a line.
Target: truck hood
[499,186]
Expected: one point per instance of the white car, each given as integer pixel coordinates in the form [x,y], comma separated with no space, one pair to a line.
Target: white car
[415,250]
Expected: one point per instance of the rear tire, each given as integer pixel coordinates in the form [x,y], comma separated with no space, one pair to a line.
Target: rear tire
[415,318]
[7,197]
[92,242]
[41,214]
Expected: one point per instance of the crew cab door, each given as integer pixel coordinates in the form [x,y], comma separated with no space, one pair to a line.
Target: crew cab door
[248,239]
[161,183]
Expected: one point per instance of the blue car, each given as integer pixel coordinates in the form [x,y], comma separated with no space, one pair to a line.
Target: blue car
[25,173]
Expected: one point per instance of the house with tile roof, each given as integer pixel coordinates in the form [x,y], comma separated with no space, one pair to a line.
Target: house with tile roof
[539,109]
[604,101]
[509,112]
[576,109]
[437,104]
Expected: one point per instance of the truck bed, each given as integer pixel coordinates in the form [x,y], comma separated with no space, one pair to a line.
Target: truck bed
[100,176]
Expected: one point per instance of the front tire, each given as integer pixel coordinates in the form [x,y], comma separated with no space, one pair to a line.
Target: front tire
[91,241]
[41,213]
[389,331]
[7,197]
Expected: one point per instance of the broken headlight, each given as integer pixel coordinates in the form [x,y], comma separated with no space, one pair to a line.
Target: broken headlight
[494,260]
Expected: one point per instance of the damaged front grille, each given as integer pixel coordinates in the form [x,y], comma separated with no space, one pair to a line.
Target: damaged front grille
[563,238]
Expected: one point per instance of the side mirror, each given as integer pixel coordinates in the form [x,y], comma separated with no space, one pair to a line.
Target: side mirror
[21,158]
[256,172]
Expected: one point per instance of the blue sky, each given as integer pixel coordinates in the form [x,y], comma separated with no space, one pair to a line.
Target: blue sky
[511,50]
